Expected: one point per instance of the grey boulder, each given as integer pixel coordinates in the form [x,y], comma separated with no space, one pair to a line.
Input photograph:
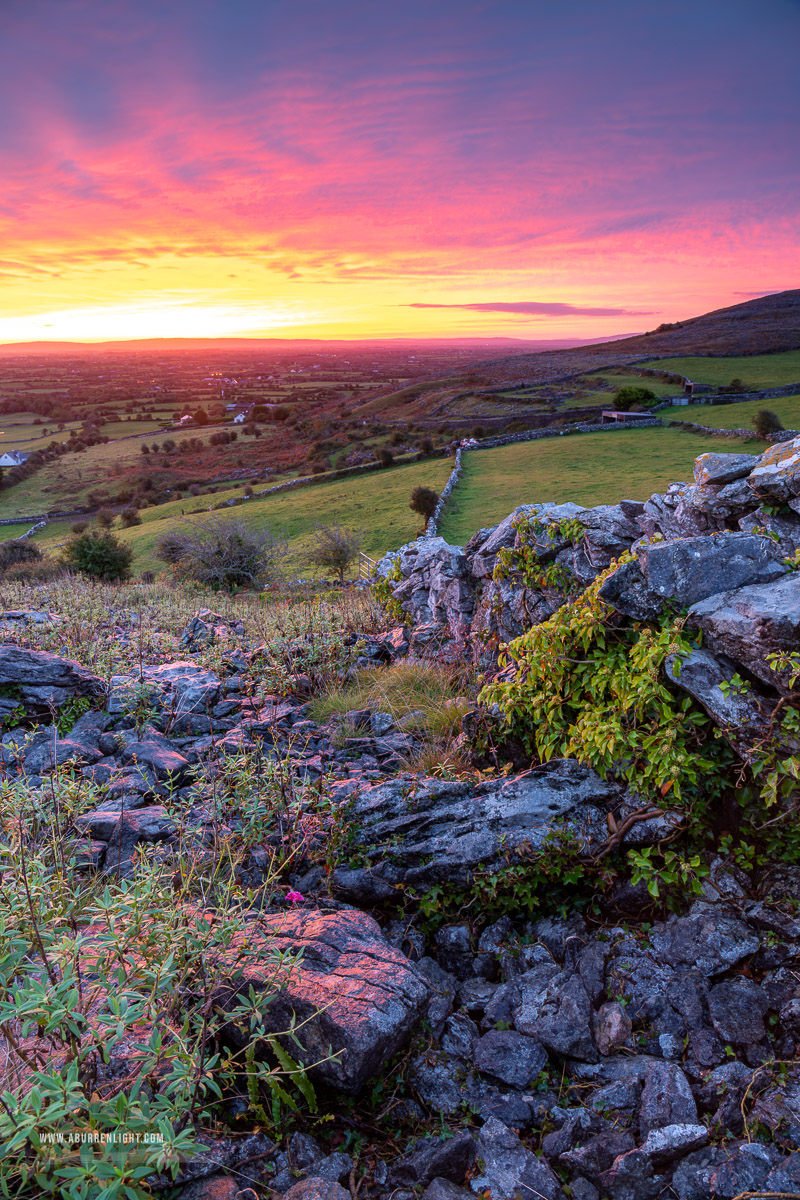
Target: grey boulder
[354,998]
[41,682]
[421,832]
[751,623]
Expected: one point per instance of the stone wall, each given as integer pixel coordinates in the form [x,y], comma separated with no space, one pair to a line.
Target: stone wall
[740,518]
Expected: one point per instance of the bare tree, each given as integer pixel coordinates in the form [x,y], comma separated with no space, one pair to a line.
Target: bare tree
[334,549]
[223,553]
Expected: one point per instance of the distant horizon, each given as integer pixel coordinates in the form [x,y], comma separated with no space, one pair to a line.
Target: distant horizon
[45,346]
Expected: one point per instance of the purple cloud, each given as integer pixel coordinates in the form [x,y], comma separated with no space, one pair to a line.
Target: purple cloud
[537,308]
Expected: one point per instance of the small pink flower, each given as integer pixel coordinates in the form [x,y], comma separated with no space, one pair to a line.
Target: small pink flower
[294,898]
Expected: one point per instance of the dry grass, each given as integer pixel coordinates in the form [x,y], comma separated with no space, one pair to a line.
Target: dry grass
[426,699]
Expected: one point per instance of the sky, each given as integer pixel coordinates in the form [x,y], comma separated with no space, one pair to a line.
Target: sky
[327,168]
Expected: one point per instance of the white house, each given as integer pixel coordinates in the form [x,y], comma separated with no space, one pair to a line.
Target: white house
[13,458]
[239,418]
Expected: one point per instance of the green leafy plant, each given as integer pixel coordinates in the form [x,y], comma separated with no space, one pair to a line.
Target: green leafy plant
[586,688]
[99,555]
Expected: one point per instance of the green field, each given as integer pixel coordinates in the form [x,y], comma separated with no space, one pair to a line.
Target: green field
[737,416]
[588,468]
[376,503]
[754,370]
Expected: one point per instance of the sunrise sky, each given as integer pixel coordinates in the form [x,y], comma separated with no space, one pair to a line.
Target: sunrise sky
[322,168]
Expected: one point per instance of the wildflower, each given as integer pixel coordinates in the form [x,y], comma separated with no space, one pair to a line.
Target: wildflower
[294,898]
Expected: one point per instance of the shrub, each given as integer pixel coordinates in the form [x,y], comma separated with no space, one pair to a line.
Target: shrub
[105,518]
[18,551]
[99,555]
[425,447]
[224,554]
[631,394]
[334,549]
[766,422]
[478,431]
[130,516]
[79,526]
[423,501]
[42,570]
[384,456]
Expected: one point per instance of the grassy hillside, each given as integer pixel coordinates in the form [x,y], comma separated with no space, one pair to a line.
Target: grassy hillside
[591,468]
[754,370]
[738,416]
[376,503]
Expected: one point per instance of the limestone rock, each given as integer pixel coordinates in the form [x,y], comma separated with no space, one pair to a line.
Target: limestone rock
[750,623]
[354,993]
[42,682]
[419,833]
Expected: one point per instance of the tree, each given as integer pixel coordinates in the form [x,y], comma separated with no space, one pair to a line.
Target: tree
[766,422]
[99,555]
[223,553]
[105,517]
[334,549]
[626,397]
[130,516]
[423,501]
[201,417]
[425,447]
[384,456]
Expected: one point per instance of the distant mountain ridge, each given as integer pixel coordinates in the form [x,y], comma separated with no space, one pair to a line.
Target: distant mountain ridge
[767,324]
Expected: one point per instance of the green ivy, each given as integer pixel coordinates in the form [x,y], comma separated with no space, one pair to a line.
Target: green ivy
[587,688]
[383,589]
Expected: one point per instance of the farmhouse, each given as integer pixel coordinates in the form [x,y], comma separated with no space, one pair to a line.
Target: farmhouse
[13,458]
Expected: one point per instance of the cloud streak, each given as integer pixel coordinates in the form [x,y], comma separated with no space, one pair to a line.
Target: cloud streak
[537,308]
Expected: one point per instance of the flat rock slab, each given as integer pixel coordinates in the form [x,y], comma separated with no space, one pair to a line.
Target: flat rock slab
[417,833]
[155,754]
[751,623]
[723,468]
[691,569]
[352,993]
[43,681]
[179,688]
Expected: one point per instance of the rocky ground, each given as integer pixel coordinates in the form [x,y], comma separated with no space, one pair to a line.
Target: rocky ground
[617,1048]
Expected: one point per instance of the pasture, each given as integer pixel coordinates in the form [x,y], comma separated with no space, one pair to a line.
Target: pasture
[738,416]
[375,503]
[754,370]
[587,468]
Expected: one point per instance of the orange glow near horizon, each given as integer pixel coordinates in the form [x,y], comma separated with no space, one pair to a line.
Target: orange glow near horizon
[235,169]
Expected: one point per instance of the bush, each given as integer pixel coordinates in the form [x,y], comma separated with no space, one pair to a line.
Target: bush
[79,526]
[625,397]
[223,554]
[99,555]
[130,516]
[425,447]
[18,551]
[105,518]
[384,456]
[424,501]
[43,570]
[766,422]
[334,549]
